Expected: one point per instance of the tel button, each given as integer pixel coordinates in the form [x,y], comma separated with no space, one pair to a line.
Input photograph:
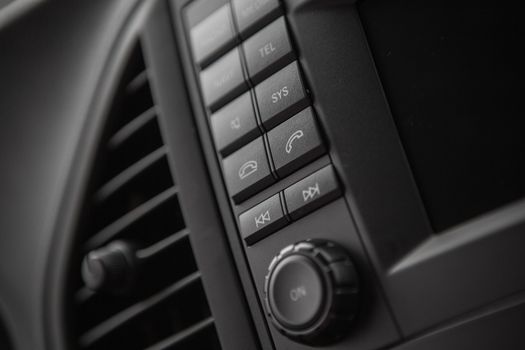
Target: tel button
[268,50]
[295,142]
[261,220]
[312,192]
[247,170]
[296,292]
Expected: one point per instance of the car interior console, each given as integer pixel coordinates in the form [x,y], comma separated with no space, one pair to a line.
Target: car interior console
[272,174]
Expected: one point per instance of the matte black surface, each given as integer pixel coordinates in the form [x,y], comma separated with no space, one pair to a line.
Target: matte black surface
[446,275]
[281,95]
[453,75]
[223,79]
[247,170]
[213,34]
[220,278]
[312,192]
[49,75]
[495,327]
[372,328]
[262,220]
[268,50]
[295,142]
[213,161]
[384,331]
[252,14]
[235,124]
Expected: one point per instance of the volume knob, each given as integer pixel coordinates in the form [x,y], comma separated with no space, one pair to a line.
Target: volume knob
[311,291]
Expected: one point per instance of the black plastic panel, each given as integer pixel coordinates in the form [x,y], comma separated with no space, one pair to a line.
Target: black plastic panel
[443,277]
[375,327]
[209,243]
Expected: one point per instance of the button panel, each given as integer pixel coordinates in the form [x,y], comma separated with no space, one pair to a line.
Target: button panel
[268,50]
[259,114]
[235,124]
[304,196]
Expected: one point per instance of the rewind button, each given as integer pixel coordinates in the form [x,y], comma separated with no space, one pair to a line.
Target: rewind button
[261,220]
[312,192]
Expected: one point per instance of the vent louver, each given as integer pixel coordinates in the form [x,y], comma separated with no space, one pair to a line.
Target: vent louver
[134,199]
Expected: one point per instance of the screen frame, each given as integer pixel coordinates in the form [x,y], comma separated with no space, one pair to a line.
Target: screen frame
[427,278]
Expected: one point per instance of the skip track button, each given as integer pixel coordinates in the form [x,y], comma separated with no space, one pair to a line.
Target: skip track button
[312,192]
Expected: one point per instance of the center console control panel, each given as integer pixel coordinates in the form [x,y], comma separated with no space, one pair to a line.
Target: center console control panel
[284,190]
[261,119]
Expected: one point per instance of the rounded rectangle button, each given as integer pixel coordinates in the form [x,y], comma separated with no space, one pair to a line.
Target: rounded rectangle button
[261,220]
[295,142]
[281,95]
[234,124]
[223,80]
[247,171]
[267,50]
[252,14]
[312,192]
[212,35]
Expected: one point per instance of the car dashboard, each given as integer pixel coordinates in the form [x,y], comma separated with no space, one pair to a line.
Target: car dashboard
[261,174]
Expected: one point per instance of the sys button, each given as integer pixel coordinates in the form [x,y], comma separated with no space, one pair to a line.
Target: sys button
[312,192]
[281,95]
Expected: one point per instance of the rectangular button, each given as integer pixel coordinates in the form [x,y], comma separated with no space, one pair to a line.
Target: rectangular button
[212,35]
[247,171]
[295,142]
[234,124]
[312,192]
[253,14]
[223,80]
[281,95]
[261,220]
[268,50]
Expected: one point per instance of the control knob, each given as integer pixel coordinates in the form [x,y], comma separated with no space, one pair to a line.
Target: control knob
[311,291]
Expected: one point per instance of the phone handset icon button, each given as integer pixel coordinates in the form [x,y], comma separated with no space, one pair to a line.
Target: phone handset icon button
[295,136]
[247,169]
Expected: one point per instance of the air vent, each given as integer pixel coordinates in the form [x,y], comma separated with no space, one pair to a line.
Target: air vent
[134,201]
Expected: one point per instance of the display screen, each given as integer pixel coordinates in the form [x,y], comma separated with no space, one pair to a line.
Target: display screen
[453,76]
